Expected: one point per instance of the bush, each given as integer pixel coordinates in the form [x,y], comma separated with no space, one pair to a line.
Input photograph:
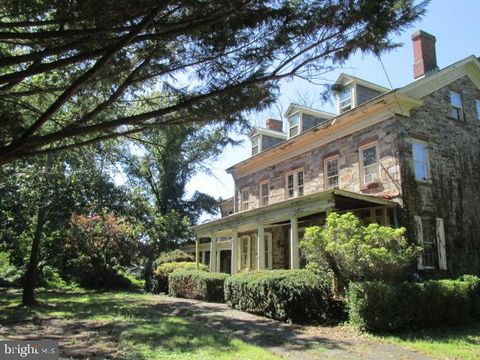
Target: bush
[286,295]
[376,306]
[160,281]
[355,252]
[9,274]
[174,256]
[199,285]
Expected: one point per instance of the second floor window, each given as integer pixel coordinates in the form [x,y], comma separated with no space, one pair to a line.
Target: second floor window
[264,193]
[369,164]
[244,199]
[456,103]
[331,173]
[420,160]
[477,102]
[295,184]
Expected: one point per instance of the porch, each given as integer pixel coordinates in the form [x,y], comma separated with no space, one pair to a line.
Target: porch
[268,237]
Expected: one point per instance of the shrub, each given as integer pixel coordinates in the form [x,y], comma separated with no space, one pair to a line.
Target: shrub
[199,285]
[174,256]
[286,295]
[355,252]
[9,274]
[160,282]
[376,306]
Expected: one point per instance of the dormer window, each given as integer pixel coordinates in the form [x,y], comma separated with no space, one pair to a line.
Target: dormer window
[255,145]
[345,100]
[294,125]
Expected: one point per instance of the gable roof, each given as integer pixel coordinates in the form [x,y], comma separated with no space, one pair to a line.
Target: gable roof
[344,79]
[267,132]
[292,108]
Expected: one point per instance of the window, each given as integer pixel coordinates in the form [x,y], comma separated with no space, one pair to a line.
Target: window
[477,102]
[244,199]
[369,163]
[345,100]
[420,161]
[456,102]
[268,251]
[294,125]
[255,144]
[431,237]
[245,252]
[264,193]
[331,173]
[295,184]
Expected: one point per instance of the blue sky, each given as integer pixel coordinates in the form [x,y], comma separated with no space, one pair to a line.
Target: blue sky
[455,25]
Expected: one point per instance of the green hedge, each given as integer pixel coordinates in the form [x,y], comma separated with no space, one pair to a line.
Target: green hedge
[376,306]
[197,285]
[160,279]
[287,295]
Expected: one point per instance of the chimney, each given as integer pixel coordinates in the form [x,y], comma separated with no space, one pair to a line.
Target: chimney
[424,54]
[274,124]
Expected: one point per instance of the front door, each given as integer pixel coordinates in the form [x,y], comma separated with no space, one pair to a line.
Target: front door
[226,261]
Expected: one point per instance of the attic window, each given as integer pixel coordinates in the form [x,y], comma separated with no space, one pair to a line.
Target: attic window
[294,125]
[345,100]
[255,145]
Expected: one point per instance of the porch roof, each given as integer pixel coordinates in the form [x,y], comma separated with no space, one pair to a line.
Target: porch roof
[333,199]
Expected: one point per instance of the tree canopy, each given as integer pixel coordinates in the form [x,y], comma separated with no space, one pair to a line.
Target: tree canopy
[70,70]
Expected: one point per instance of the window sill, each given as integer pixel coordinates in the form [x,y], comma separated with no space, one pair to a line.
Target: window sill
[426,182]
[370,186]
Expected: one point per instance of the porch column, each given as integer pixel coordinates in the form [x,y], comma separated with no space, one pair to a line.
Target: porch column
[213,254]
[197,253]
[294,256]
[217,262]
[234,251]
[261,247]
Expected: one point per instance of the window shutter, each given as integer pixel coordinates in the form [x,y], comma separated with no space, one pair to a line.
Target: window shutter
[249,251]
[419,230]
[269,250]
[442,253]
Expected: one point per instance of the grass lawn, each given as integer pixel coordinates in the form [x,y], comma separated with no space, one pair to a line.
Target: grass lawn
[446,343]
[118,326]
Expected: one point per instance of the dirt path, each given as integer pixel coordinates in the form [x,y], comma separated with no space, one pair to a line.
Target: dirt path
[289,341]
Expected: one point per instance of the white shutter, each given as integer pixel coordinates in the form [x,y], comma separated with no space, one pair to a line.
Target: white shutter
[249,251]
[419,230]
[442,253]
[269,251]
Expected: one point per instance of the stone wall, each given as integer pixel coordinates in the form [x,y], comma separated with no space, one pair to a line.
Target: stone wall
[313,162]
[453,191]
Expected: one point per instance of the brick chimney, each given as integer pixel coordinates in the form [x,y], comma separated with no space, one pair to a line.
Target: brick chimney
[274,124]
[423,54]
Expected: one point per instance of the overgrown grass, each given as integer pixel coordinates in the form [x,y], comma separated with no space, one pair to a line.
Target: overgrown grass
[135,324]
[449,342]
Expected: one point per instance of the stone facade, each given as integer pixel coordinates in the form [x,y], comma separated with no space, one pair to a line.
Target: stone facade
[452,193]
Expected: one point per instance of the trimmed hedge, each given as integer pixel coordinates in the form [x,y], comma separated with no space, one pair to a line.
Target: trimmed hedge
[197,285]
[376,306]
[287,295]
[160,280]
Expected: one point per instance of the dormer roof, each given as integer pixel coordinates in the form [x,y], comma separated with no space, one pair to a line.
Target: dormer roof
[345,79]
[293,108]
[264,131]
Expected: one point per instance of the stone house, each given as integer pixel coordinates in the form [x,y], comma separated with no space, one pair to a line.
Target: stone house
[404,157]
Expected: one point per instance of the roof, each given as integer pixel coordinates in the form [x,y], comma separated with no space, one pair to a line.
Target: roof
[404,99]
[267,132]
[292,108]
[300,206]
[346,78]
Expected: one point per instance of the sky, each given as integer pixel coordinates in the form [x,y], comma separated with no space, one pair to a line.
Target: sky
[455,25]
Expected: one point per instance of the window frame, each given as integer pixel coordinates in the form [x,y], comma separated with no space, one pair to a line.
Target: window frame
[459,110]
[296,187]
[242,199]
[342,109]
[427,160]
[361,149]
[268,254]
[259,144]
[298,125]
[477,105]
[325,171]
[245,256]
[262,195]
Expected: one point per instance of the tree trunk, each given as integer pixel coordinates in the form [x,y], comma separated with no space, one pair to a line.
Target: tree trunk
[30,281]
